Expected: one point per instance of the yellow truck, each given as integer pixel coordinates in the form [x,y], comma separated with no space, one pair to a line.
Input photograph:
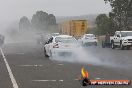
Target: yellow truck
[75,28]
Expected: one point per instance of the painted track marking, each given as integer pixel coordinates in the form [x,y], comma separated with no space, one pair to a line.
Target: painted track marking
[76,79]
[9,70]
[97,78]
[31,65]
[60,64]
[47,80]
[61,80]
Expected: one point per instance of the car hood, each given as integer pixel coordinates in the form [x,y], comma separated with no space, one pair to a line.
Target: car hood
[127,37]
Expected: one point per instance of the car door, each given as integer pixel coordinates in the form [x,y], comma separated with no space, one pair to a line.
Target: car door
[117,38]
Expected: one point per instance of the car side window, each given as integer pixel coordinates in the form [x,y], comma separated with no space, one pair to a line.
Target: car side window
[50,40]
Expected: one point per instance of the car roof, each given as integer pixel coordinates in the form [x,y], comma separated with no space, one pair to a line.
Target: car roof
[123,31]
[64,36]
[89,34]
[55,33]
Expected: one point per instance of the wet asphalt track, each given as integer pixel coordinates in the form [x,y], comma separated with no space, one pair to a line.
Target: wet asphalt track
[32,70]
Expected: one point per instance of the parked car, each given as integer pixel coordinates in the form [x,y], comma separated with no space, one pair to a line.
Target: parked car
[89,39]
[122,39]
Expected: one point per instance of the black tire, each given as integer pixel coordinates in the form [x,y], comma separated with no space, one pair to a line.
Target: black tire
[45,53]
[112,45]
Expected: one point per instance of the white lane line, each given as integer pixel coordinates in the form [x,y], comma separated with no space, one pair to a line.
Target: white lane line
[61,80]
[47,80]
[9,71]
[53,80]
[31,65]
[97,78]
[60,64]
[44,80]
[76,79]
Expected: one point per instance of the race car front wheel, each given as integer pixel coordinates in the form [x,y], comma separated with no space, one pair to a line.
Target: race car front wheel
[45,53]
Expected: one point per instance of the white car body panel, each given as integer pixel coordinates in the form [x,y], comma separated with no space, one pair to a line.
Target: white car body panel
[62,47]
[90,39]
[126,41]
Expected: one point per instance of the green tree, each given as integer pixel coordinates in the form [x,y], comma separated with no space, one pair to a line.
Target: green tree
[24,23]
[41,20]
[121,13]
[52,19]
[104,24]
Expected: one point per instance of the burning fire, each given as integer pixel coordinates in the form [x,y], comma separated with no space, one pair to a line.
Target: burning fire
[84,73]
[84,79]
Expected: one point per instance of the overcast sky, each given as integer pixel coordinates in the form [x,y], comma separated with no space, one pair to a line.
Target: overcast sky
[14,9]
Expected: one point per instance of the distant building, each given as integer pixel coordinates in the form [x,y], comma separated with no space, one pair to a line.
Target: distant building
[75,28]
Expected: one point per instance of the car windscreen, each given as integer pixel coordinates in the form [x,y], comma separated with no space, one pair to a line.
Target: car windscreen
[124,34]
[55,34]
[89,35]
[65,40]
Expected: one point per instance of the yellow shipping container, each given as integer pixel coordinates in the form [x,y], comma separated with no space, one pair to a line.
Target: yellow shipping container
[75,28]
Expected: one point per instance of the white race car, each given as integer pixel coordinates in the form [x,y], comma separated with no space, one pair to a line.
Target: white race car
[62,45]
[89,39]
